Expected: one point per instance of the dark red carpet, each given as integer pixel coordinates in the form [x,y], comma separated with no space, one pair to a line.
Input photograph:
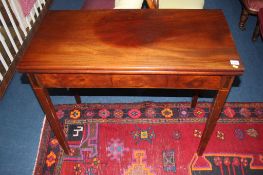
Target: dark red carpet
[153,139]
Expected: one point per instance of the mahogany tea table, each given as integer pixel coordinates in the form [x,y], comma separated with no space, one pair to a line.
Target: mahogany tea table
[167,49]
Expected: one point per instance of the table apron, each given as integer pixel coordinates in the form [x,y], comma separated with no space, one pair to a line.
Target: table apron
[132,81]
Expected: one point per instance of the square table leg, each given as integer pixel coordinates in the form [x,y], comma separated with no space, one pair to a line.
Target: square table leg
[195,98]
[49,110]
[214,115]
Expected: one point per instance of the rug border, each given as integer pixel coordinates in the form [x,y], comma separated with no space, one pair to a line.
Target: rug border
[45,125]
[40,145]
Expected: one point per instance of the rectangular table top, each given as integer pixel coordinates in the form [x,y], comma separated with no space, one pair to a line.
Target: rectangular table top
[133,42]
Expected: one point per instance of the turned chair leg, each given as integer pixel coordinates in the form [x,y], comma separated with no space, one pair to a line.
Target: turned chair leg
[256,31]
[243,19]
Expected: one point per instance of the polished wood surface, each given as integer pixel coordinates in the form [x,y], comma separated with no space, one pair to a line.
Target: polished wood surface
[129,81]
[133,41]
[48,108]
[169,49]
[214,115]
[151,4]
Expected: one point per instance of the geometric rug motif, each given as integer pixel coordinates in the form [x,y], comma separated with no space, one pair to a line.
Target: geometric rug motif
[227,164]
[153,139]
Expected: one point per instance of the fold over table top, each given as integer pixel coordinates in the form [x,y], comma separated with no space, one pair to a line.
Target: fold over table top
[133,42]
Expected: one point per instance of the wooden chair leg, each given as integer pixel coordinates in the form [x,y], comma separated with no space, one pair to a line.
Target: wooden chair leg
[151,4]
[256,31]
[195,98]
[243,19]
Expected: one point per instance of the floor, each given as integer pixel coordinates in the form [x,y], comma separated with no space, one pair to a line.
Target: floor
[21,116]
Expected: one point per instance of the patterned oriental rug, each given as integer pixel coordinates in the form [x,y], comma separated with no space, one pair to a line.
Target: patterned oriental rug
[153,139]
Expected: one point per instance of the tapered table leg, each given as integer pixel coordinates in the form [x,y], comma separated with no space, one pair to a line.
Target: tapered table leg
[48,108]
[215,112]
[195,98]
[212,120]
[77,99]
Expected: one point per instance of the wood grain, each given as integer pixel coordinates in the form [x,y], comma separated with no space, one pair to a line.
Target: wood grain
[151,4]
[129,41]
[129,81]
[175,49]
[48,108]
